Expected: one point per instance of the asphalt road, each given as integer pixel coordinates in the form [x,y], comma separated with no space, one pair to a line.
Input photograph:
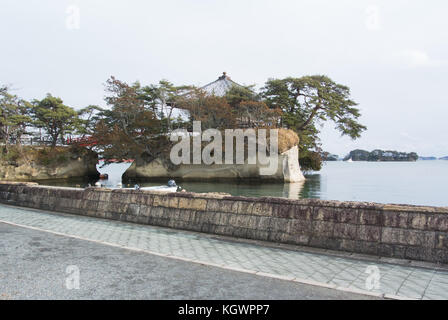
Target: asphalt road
[39,265]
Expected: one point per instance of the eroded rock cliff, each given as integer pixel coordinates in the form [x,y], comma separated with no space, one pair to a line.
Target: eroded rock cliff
[287,168]
[37,163]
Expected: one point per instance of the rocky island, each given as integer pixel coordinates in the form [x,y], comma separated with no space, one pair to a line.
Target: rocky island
[288,169]
[380,155]
[31,163]
[326,156]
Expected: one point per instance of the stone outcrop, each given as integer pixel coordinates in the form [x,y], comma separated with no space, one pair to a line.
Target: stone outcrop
[288,170]
[70,165]
[397,231]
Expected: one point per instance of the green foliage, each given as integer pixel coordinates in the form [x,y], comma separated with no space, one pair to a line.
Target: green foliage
[249,110]
[44,156]
[88,117]
[238,94]
[311,99]
[14,117]
[41,155]
[214,112]
[162,99]
[52,156]
[308,102]
[54,117]
[140,118]
[10,155]
[130,129]
[310,161]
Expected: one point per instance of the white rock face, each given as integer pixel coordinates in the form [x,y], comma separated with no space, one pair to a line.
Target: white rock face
[291,168]
[288,170]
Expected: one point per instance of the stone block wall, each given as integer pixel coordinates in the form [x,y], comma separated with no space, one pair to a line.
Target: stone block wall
[398,231]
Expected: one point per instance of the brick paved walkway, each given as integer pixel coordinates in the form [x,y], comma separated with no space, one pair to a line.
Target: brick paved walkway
[333,271]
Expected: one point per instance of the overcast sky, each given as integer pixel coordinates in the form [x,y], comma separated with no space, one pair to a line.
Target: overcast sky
[392,54]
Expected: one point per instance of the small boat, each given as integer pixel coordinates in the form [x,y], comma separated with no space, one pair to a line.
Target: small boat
[161,188]
[349,160]
[170,187]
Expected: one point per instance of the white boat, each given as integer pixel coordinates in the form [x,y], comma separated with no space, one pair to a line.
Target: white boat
[170,187]
[161,188]
[349,160]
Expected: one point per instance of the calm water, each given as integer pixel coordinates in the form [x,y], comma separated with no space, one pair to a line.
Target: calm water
[421,183]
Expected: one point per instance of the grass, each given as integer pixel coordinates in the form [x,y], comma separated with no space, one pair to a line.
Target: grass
[41,155]
[286,140]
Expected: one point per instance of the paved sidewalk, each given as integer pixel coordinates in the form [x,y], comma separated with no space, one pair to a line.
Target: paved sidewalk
[34,265]
[314,268]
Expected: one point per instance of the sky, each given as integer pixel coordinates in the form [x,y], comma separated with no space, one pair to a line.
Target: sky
[392,54]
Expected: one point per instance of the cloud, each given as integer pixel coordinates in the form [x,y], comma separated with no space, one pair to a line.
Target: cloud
[416,59]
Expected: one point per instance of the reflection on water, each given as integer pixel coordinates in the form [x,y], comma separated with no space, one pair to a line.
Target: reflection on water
[248,189]
[421,183]
[292,190]
[311,187]
[305,189]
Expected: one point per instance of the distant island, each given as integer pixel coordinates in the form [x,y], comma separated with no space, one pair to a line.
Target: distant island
[432,158]
[380,155]
[326,156]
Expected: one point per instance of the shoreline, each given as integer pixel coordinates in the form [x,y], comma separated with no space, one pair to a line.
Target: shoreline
[393,231]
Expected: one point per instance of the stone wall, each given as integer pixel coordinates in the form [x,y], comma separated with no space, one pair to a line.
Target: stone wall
[408,232]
